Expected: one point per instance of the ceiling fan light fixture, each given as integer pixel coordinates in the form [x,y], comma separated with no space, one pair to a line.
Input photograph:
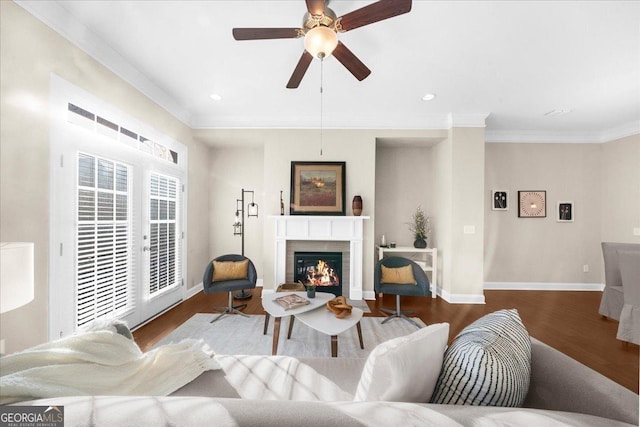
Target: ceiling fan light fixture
[320,41]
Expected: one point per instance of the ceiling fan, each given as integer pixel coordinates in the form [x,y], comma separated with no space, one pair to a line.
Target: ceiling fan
[320,30]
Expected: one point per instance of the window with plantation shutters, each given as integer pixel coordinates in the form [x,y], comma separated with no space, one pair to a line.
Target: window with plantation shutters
[103,242]
[163,242]
[116,193]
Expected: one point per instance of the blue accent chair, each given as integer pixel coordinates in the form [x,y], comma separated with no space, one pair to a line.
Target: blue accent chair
[420,289]
[229,286]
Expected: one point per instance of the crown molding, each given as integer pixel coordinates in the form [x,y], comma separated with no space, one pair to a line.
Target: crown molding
[527,136]
[62,22]
[618,132]
[429,122]
[474,120]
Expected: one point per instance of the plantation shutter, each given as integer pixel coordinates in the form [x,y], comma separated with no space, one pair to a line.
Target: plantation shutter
[164,264]
[104,270]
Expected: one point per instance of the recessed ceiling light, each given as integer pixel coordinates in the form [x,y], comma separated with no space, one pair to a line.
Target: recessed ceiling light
[429,97]
[557,112]
[216,97]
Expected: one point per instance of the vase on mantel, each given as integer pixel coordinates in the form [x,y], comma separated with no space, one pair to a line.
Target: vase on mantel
[420,243]
[356,205]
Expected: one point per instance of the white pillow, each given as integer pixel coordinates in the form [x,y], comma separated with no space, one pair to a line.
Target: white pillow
[404,369]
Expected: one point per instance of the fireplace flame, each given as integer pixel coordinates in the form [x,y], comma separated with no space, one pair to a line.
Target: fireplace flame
[322,275]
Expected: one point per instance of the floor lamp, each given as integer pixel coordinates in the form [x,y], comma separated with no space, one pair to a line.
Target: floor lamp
[238,227]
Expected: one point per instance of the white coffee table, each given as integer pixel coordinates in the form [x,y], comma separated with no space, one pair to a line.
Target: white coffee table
[278,312]
[326,322]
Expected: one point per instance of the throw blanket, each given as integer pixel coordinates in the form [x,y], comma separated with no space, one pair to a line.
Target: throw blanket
[100,363]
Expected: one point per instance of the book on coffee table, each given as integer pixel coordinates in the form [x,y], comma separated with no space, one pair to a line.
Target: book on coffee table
[291,301]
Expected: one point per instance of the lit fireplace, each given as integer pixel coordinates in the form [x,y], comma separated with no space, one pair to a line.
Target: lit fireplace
[323,269]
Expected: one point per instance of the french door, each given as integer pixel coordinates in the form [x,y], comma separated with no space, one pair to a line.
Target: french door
[161,243]
[116,243]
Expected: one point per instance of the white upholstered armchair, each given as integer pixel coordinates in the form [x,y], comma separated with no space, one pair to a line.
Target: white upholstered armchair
[629,327]
[613,295]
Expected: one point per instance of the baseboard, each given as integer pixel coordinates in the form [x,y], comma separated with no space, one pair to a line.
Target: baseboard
[369,295]
[543,286]
[192,291]
[461,298]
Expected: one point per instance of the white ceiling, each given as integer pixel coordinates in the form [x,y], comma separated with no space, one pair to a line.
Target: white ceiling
[512,60]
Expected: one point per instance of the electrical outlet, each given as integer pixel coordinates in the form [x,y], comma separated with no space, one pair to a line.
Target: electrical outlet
[636,231]
[585,268]
[469,229]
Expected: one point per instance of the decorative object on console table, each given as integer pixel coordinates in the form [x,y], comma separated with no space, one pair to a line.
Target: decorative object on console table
[499,200]
[317,188]
[419,226]
[532,204]
[565,212]
[357,205]
[238,227]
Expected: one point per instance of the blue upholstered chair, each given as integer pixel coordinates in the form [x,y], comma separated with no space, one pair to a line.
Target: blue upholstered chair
[421,288]
[229,286]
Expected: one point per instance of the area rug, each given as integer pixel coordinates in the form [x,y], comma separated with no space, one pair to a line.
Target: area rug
[234,334]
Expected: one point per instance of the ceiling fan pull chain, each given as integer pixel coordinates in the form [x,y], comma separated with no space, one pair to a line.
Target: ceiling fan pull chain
[321,101]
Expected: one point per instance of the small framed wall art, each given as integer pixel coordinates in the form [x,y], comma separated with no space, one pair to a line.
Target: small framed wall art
[499,200]
[317,188]
[565,212]
[532,204]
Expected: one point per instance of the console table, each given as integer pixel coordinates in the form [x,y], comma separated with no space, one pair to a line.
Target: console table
[429,263]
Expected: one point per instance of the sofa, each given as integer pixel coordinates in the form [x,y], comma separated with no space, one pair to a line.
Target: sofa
[284,391]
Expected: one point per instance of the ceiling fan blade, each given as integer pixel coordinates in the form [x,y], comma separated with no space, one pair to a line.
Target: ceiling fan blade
[381,10]
[301,69]
[265,33]
[351,62]
[315,7]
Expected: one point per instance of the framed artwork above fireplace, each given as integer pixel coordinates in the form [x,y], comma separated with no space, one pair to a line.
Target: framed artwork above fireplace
[318,188]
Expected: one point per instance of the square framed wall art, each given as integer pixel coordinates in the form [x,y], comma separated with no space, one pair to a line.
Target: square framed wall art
[565,212]
[318,188]
[532,204]
[499,200]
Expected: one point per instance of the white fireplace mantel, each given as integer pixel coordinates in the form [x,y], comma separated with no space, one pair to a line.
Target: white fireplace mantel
[321,228]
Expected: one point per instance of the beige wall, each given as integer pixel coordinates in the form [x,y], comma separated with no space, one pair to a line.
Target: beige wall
[467,251]
[403,182]
[447,178]
[544,250]
[280,148]
[30,51]
[620,183]
[230,170]
[443,208]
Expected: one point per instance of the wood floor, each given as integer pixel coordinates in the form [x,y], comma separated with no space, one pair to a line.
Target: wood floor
[567,321]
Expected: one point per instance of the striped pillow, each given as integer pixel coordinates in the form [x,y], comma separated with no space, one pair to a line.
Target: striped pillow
[487,364]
